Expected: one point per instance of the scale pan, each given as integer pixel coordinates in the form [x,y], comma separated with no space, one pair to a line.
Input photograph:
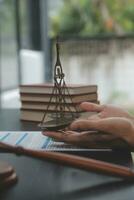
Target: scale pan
[55,124]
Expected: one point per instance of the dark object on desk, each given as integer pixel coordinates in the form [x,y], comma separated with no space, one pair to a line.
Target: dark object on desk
[7,175]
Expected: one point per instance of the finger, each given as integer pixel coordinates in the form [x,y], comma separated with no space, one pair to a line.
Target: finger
[53,134]
[94,117]
[110,125]
[92,107]
[67,136]
[84,125]
[114,125]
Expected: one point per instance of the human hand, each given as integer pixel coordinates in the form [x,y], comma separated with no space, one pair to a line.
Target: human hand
[109,126]
[101,133]
[104,111]
[109,119]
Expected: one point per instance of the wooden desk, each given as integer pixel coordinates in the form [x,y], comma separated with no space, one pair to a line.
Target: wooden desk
[41,180]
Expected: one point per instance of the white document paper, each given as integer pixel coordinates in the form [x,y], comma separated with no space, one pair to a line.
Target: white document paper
[37,141]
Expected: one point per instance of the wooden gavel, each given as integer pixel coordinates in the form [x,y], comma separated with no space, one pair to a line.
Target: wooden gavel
[87,164]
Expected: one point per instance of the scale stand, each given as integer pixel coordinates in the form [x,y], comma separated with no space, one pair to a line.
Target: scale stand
[63,114]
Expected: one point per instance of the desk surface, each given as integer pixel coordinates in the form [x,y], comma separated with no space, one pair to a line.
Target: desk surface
[39,180]
[10,121]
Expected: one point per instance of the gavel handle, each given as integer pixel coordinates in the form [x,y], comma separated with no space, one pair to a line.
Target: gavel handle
[87,164]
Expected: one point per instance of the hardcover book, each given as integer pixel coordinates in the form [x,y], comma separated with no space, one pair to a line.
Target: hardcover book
[48,88]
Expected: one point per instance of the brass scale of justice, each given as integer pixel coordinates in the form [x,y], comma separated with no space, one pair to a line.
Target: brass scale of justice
[63,114]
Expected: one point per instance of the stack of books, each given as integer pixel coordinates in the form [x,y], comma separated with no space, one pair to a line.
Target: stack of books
[36,98]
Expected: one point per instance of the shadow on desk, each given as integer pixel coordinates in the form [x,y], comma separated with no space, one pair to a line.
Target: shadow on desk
[98,191]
